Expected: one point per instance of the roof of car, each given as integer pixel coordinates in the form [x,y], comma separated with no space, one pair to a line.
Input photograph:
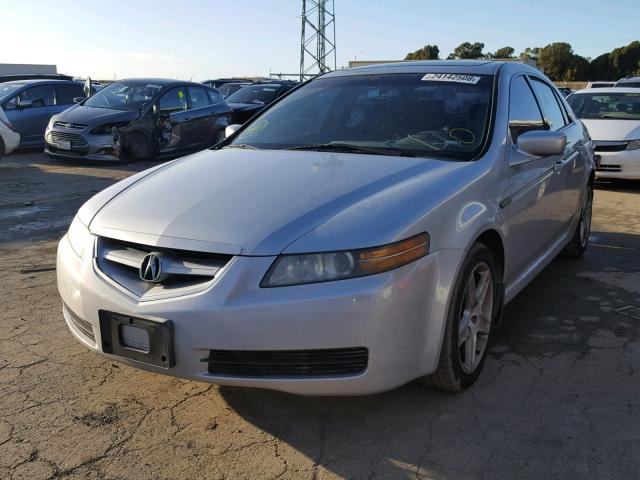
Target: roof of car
[486,67]
[42,80]
[608,90]
[164,82]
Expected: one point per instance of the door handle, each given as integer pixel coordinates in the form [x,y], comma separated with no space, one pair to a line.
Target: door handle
[558,165]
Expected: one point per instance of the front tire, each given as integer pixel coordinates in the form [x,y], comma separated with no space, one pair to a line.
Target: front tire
[472,310]
[580,240]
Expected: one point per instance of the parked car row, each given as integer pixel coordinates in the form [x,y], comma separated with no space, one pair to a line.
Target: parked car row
[140,118]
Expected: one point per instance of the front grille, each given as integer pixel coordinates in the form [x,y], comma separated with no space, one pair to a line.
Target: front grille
[85,327]
[75,139]
[609,168]
[609,146]
[287,363]
[182,270]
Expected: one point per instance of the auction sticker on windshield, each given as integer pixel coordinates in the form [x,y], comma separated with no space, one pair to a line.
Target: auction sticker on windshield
[451,77]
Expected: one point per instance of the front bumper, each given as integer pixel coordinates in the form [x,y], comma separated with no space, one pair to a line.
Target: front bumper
[84,146]
[624,164]
[11,141]
[398,316]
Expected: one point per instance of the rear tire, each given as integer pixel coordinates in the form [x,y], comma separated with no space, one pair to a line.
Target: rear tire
[473,307]
[580,239]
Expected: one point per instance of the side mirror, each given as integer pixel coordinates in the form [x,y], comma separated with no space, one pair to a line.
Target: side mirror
[542,143]
[231,129]
[25,103]
[78,99]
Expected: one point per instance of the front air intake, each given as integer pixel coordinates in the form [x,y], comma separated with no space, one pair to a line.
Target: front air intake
[288,363]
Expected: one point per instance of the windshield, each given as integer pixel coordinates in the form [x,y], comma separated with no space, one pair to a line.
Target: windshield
[438,115]
[622,106]
[7,89]
[124,95]
[260,95]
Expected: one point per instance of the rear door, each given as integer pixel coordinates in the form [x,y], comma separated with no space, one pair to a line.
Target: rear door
[534,203]
[171,121]
[201,118]
[31,121]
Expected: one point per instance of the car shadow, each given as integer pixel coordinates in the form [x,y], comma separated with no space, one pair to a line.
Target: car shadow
[525,414]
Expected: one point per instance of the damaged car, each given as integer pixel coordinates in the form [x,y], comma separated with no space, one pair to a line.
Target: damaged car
[141,119]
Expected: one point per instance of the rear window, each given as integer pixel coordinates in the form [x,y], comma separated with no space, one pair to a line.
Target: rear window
[439,115]
[620,106]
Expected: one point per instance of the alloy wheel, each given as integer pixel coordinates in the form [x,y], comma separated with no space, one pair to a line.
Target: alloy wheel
[475,317]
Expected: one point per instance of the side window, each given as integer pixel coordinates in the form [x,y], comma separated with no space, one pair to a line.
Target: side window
[524,114]
[40,95]
[213,96]
[549,104]
[198,97]
[66,93]
[173,100]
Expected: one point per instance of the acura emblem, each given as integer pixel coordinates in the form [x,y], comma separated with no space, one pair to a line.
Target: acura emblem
[151,268]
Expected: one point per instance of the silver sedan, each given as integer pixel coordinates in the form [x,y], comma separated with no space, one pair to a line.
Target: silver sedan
[364,231]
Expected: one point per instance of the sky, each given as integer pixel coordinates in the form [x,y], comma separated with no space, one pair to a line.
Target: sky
[200,39]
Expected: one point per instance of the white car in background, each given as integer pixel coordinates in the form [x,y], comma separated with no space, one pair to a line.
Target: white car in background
[9,139]
[612,116]
[600,84]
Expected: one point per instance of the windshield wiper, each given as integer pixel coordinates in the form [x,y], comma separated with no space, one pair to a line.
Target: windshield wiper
[240,145]
[347,147]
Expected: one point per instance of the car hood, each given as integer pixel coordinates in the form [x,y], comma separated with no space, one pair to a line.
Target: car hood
[96,116]
[613,130]
[257,202]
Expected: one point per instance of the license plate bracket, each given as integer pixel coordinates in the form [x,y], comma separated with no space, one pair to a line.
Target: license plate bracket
[63,144]
[160,338]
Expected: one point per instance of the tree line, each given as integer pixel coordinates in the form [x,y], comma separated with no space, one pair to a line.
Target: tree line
[557,60]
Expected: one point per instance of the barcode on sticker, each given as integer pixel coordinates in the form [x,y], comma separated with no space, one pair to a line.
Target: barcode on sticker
[451,77]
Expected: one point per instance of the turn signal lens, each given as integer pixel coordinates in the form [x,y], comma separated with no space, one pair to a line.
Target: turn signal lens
[324,267]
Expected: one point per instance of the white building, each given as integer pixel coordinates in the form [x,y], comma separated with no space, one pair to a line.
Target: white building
[20,68]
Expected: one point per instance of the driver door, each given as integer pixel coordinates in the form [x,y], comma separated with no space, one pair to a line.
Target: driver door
[534,204]
[31,119]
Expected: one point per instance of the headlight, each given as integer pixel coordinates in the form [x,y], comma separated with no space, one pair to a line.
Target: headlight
[78,236]
[107,128]
[324,267]
[51,121]
[633,145]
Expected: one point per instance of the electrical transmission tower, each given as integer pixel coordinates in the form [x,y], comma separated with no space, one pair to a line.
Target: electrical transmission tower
[318,39]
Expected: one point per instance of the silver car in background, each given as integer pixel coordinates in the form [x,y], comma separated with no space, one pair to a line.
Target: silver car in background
[364,231]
